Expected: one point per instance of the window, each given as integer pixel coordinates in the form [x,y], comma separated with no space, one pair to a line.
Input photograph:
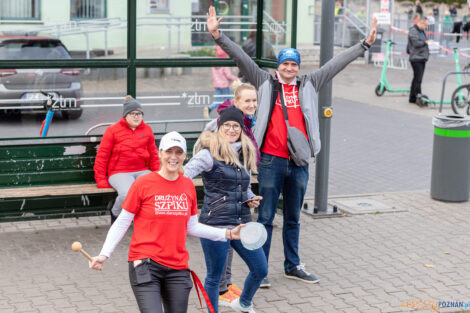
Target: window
[19,9]
[158,6]
[87,9]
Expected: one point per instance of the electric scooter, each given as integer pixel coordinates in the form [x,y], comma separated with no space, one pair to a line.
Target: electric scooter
[384,85]
[423,100]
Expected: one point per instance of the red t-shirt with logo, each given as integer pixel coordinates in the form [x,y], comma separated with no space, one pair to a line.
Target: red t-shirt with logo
[162,209]
[275,142]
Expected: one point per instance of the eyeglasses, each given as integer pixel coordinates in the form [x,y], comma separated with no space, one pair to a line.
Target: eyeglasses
[136,114]
[235,127]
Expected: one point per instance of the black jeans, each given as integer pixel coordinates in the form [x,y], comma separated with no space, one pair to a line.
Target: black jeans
[418,72]
[154,284]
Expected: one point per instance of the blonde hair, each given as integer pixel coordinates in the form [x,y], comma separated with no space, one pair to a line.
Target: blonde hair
[235,84]
[241,88]
[222,150]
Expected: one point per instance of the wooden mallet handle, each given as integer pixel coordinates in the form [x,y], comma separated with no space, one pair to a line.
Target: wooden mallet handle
[86,255]
[77,246]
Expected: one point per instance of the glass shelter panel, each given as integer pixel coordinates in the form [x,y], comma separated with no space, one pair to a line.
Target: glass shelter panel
[79,98]
[277,26]
[180,95]
[181,32]
[52,29]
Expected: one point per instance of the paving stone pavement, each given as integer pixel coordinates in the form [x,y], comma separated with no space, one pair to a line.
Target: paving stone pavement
[368,263]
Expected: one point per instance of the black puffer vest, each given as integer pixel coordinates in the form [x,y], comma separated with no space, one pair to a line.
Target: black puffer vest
[225,190]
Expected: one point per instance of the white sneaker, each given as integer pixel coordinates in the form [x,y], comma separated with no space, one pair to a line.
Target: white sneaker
[235,305]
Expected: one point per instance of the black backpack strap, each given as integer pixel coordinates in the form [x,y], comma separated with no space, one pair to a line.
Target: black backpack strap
[283,104]
[276,87]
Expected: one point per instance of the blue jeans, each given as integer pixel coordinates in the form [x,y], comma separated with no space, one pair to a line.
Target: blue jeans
[215,253]
[277,174]
[218,100]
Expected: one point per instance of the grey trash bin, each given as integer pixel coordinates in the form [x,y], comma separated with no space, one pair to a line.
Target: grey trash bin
[450,178]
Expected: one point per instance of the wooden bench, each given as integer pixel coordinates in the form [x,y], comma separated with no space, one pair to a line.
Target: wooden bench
[53,177]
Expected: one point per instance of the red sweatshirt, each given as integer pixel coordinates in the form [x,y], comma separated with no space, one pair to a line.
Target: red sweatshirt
[124,150]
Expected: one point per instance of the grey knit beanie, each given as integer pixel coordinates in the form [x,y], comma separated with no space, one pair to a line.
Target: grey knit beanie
[131,105]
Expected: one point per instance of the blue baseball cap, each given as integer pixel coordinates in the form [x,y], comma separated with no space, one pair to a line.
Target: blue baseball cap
[288,54]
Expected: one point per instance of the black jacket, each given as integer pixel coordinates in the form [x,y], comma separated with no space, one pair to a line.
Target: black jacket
[417,47]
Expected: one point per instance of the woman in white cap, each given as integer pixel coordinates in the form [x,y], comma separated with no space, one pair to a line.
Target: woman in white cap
[225,162]
[127,151]
[163,206]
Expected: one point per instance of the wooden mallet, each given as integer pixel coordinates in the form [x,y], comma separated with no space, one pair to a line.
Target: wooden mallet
[77,246]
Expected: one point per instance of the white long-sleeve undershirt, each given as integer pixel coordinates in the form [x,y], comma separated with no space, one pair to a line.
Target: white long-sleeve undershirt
[124,220]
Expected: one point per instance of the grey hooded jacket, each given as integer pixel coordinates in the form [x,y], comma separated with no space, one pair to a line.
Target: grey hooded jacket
[417,46]
[308,88]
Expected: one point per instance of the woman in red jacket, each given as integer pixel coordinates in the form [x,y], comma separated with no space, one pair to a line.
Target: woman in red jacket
[127,151]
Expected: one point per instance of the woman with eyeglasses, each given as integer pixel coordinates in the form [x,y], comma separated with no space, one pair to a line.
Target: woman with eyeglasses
[226,160]
[245,98]
[127,151]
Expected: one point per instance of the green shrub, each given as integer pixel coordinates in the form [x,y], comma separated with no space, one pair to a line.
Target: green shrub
[203,52]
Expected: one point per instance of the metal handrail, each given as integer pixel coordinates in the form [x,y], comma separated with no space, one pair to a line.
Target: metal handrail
[166,122]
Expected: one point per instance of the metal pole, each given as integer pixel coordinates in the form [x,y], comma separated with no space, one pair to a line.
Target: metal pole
[131,47]
[366,56]
[324,100]
[344,22]
[179,35]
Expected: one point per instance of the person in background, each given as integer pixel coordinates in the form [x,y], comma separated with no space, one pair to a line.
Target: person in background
[338,8]
[466,23]
[419,9]
[457,22]
[163,207]
[222,77]
[435,11]
[447,26]
[127,151]
[226,160]
[362,13]
[432,22]
[419,54]
[452,11]
[410,13]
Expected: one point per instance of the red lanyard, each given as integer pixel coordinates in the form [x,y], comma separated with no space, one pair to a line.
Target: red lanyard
[199,285]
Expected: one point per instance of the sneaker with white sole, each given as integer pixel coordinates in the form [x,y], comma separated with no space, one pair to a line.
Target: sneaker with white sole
[237,307]
[265,283]
[226,298]
[301,274]
[235,289]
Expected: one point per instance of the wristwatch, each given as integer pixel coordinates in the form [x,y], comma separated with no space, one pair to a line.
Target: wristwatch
[365,45]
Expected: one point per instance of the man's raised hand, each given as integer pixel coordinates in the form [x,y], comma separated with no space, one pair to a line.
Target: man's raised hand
[213,23]
[373,32]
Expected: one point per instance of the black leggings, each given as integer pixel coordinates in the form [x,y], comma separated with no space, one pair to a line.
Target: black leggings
[154,284]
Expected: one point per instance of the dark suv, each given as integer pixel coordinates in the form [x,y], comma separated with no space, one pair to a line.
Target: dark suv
[26,89]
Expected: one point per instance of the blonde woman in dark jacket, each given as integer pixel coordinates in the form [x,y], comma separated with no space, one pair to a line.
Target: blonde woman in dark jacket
[225,162]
